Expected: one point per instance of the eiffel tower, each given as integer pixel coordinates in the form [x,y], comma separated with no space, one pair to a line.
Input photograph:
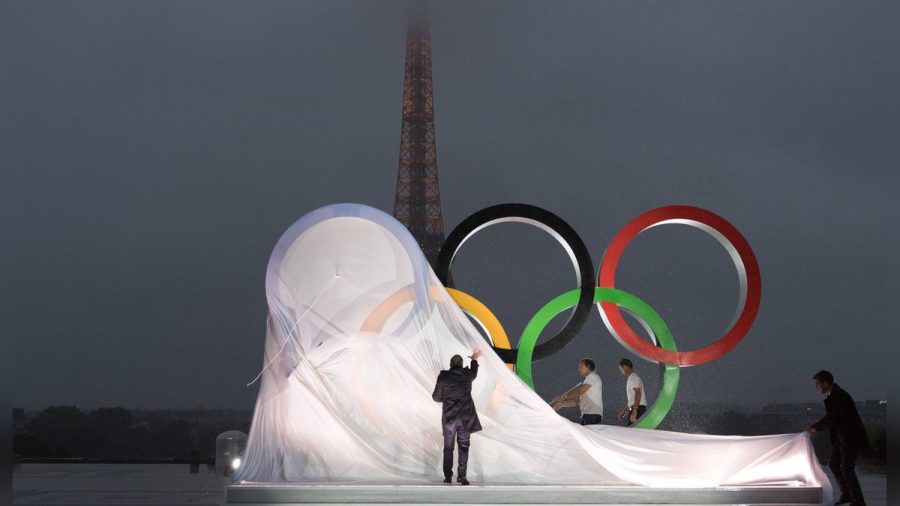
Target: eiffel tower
[417,202]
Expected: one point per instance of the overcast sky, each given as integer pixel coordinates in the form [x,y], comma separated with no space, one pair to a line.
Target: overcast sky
[159,149]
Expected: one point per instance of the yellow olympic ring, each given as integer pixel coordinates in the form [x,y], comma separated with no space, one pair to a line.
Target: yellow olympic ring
[468,304]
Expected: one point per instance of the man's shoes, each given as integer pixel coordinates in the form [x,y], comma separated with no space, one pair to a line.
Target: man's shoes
[462,480]
[447,480]
[845,499]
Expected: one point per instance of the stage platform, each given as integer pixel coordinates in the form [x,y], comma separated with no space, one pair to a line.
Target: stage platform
[485,494]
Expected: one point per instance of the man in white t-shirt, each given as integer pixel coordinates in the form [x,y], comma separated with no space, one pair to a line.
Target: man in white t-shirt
[588,395]
[634,388]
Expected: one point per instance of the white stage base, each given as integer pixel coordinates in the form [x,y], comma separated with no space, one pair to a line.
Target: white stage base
[486,494]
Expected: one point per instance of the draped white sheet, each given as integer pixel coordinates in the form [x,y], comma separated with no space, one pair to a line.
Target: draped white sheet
[358,329]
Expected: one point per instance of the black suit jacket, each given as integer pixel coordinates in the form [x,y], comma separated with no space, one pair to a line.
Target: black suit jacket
[842,419]
[454,390]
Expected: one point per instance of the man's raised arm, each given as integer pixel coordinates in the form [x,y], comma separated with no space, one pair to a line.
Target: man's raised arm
[474,366]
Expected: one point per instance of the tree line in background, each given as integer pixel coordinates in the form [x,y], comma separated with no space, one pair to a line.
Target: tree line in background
[116,433]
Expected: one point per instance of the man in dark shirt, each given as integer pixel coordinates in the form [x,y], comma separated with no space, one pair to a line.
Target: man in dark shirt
[848,436]
[458,418]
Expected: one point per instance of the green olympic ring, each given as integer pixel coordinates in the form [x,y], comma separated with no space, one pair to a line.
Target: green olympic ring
[635,306]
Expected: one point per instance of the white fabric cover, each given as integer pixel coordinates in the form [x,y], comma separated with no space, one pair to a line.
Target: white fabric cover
[341,400]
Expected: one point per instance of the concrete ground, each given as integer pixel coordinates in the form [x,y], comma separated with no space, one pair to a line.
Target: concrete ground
[171,484]
[115,484]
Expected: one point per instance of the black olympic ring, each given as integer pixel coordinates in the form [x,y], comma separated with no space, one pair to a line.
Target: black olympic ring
[556,227]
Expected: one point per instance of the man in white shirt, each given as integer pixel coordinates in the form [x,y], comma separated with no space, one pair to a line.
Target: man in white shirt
[588,395]
[634,388]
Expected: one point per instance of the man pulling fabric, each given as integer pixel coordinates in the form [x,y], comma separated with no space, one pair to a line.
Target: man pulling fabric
[458,417]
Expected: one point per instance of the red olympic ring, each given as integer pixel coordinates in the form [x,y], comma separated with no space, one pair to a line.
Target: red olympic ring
[744,261]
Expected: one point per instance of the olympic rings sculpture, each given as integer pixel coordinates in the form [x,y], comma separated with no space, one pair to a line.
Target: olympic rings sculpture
[605,296]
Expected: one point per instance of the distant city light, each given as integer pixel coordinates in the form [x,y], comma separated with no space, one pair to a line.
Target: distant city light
[236,463]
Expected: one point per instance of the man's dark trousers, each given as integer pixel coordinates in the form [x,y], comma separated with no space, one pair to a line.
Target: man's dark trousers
[842,462]
[456,430]
[591,419]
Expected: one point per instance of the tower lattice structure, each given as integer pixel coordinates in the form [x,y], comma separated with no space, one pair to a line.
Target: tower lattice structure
[417,203]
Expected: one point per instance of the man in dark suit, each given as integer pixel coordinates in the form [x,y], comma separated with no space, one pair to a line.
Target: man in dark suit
[848,436]
[458,418]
